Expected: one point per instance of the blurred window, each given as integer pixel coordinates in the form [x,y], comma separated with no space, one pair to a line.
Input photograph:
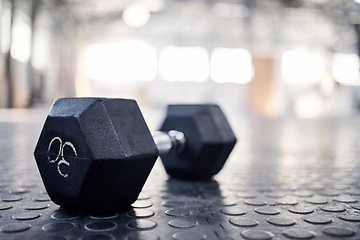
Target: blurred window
[40,57]
[345,69]
[21,37]
[122,61]
[302,67]
[188,64]
[231,65]
[5,30]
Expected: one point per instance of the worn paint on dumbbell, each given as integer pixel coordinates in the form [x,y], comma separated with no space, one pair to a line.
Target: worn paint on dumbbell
[61,154]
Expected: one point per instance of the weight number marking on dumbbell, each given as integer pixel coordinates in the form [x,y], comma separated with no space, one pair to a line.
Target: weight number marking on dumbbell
[60,154]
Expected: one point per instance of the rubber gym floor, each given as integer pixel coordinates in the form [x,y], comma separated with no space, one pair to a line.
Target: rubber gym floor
[285,179]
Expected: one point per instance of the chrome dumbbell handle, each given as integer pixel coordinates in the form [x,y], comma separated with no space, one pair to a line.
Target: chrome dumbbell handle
[172,141]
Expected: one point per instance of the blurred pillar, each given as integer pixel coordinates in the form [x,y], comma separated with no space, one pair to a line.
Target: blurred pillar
[357,89]
[8,60]
[261,96]
[357,30]
[18,60]
[35,4]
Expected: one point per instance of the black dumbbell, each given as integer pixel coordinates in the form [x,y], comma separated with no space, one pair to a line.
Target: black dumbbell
[95,154]
[209,141]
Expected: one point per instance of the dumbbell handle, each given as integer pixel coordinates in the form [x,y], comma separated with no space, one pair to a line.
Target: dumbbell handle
[172,141]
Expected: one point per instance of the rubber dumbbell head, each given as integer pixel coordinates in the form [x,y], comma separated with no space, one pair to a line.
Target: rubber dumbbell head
[95,154]
[209,141]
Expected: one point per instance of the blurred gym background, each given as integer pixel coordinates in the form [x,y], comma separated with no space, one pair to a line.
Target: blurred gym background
[266,57]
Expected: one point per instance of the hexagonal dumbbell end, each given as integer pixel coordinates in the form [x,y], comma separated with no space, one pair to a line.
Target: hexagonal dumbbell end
[95,154]
[209,141]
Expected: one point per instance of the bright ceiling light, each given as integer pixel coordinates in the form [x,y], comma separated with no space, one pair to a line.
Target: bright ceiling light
[136,15]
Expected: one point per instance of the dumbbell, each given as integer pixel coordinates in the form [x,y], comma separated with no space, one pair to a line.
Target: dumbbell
[95,154]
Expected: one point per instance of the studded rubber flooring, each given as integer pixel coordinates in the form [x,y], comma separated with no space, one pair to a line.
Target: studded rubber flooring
[286,179]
